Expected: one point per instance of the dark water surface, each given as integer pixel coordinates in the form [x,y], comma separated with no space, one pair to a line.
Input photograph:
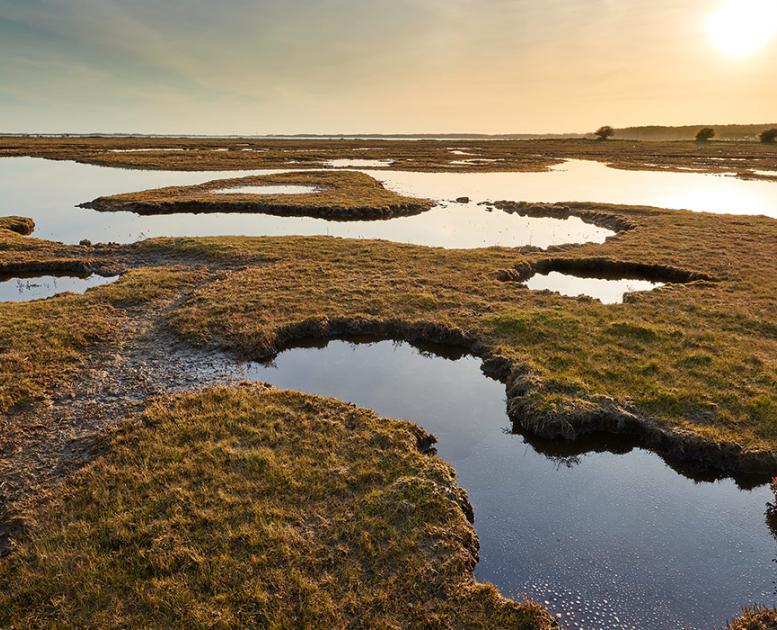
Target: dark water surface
[607,535]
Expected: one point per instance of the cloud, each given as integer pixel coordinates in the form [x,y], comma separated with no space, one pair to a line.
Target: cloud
[383,65]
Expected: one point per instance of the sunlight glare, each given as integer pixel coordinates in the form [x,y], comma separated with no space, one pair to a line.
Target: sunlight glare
[739,28]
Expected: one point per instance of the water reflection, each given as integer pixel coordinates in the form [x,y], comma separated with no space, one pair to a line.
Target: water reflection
[48,192]
[270,189]
[357,163]
[606,290]
[606,533]
[24,288]
[582,180]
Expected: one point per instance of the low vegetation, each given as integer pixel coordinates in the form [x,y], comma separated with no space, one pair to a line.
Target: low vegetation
[339,195]
[249,507]
[699,359]
[482,155]
[705,134]
[769,136]
[755,619]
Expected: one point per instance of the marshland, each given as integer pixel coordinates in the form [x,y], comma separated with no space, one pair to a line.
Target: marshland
[257,374]
[581,384]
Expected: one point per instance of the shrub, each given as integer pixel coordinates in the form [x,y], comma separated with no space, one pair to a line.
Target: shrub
[705,134]
[604,132]
[769,136]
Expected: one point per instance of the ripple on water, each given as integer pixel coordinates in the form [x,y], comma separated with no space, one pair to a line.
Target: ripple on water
[606,533]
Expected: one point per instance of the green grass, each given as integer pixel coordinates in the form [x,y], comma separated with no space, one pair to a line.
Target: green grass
[246,507]
[44,343]
[701,357]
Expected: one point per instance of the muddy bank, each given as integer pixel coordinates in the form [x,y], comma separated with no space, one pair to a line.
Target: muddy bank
[604,268]
[611,221]
[598,415]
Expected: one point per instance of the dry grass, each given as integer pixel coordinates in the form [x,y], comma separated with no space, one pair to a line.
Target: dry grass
[755,619]
[425,155]
[700,358]
[252,508]
[341,195]
[19,253]
[44,343]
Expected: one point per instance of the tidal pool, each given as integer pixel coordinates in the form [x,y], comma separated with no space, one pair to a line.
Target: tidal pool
[606,534]
[145,149]
[24,288]
[606,290]
[266,190]
[357,163]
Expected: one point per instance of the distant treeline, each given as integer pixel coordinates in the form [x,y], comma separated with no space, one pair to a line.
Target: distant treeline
[688,132]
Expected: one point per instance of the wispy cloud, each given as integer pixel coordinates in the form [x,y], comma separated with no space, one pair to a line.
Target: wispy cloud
[276,65]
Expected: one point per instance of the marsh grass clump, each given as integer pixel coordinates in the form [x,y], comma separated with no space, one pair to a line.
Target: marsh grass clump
[339,195]
[755,619]
[251,507]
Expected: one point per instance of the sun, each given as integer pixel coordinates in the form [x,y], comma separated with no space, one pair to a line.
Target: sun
[739,28]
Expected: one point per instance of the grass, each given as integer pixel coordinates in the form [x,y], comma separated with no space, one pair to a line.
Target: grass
[425,155]
[755,619]
[341,195]
[698,358]
[247,507]
[250,507]
[45,343]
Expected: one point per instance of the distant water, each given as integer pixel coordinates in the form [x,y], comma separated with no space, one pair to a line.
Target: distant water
[49,191]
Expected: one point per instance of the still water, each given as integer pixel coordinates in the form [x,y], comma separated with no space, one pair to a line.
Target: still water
[606,290]
[48,191]
[583,180]
[607,535]
[23,288]
[270,189]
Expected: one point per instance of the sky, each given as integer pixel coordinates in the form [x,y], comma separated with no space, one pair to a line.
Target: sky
[383,66]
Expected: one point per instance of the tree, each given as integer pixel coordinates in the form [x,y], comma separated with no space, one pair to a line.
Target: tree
[705,134]
[769,136]
[604,132]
